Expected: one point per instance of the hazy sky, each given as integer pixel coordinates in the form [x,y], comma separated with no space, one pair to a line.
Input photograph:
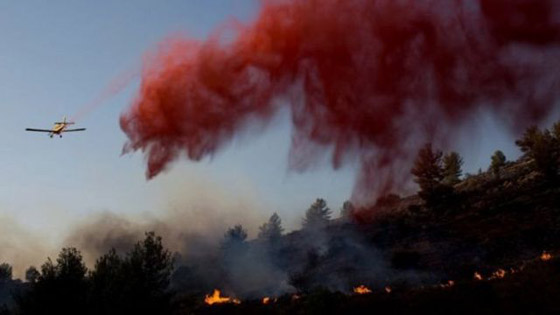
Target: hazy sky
[56,56]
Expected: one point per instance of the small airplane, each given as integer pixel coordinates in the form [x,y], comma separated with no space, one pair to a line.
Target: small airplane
[58,129]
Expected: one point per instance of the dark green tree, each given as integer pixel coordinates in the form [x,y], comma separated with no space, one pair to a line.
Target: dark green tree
[556,132]
[234,235]
[48,271]
[151,261]
[234,245]
[146,271]
[62,288]
[271,231]
[32,274]
[347,209]
[70,266]
[527,141]
[5,272]
[234,249]
[498,161]
[317,216]
[137,283]
[541,146]
[428,171]
[452,171]
[108,284]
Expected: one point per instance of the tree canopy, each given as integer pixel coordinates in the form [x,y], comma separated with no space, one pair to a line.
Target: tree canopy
[271,230]
[235,235]
[428,172]
[317,215]
[543,146]
[498,161]
[347,209]
[5,272]
[452,171]
[134,284]
[32,274]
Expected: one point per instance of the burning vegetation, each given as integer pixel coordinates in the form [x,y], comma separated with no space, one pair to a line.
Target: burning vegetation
[362,289]
[546,256]
[477,276]
[216,298]
[498,274]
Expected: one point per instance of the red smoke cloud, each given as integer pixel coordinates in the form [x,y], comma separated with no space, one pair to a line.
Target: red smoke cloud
[373,79]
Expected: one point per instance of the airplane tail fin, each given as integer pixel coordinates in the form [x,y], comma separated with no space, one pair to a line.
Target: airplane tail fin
[64,122]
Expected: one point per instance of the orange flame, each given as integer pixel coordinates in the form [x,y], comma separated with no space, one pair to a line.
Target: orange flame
[362,289]
[216,298]
[498,274]
[266,300]
[546,256]
[477,276]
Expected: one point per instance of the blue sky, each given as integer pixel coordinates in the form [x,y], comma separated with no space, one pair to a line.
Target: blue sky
[56,56]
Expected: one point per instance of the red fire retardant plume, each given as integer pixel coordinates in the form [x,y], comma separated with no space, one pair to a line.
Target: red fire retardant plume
[369,80]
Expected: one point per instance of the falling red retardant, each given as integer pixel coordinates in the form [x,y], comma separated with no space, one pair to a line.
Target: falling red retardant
[114,87]
[373,80]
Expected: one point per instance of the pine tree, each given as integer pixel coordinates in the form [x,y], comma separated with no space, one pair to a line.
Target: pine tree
[272,230]
[108,284]
[5,272]
[452,172]
[147,272]
[70,265]
[429,173]
[542,147]
[61,288]
[317,216]
[235,235]
[32,274]
[556,131]
[498,162]
[347,209]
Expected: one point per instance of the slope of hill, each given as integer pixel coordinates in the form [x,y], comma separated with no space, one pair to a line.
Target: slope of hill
[489,247]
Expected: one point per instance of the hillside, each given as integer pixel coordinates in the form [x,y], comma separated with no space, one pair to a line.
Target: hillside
[491,244]
[488,243]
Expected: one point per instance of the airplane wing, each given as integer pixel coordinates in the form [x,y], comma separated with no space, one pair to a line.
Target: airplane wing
[38,130]
[70,130]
